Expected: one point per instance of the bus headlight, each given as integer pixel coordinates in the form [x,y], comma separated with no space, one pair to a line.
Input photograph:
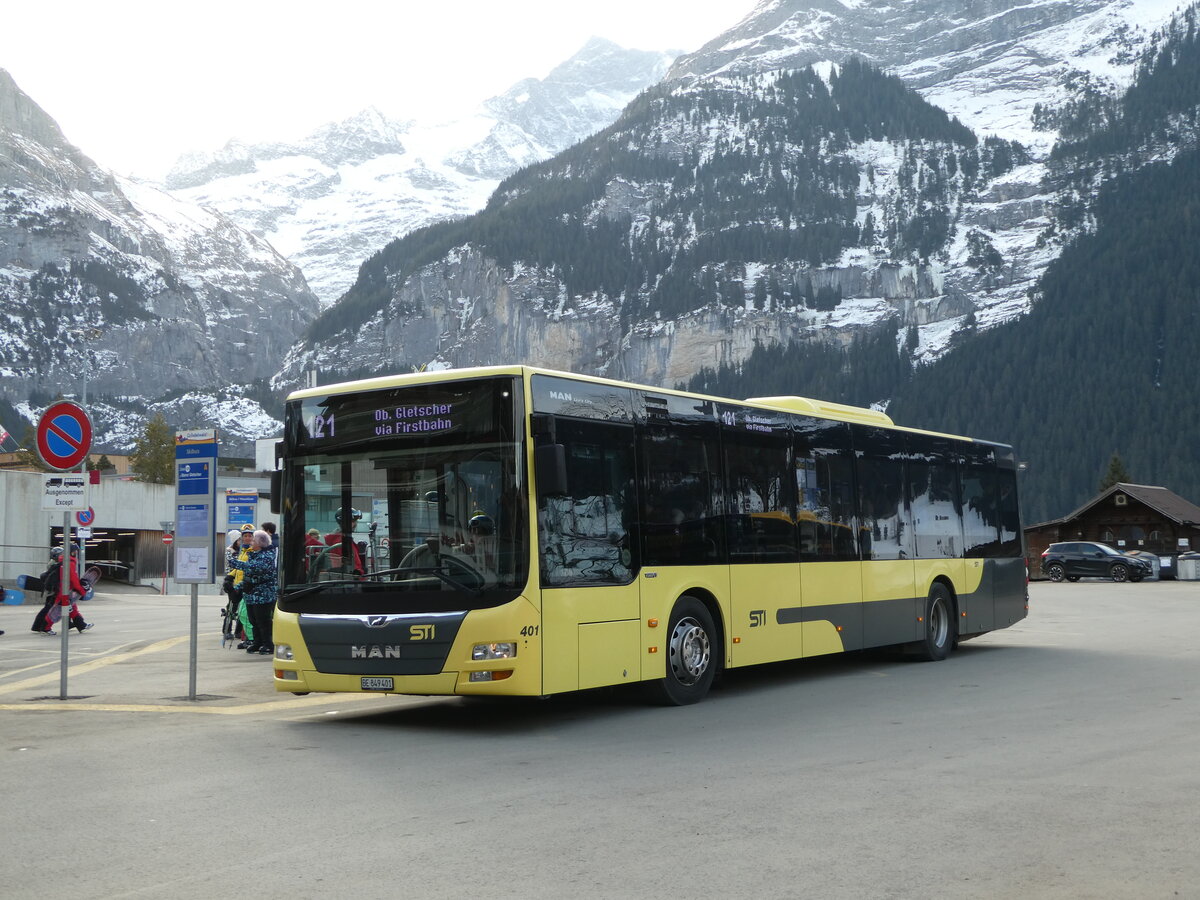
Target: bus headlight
[283,651]
[502,650]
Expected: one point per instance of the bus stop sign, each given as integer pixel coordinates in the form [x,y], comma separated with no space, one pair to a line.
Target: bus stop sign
[64,436]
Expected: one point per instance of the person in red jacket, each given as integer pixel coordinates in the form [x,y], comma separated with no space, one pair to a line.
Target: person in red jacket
[51,612]
[330,559]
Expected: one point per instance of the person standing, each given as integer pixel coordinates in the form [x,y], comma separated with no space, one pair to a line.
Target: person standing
[259,587]
[347,521]
[240,550]
[269,528]
[51,612]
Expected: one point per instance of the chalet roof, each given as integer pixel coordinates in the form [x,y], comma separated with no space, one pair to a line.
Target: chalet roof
[1169,504]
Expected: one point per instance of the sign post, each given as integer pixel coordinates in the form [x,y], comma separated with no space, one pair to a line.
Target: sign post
[194,544]
[84,520]
[64,437]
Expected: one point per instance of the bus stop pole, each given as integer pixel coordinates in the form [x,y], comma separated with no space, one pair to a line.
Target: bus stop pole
[195,629]
[63,600]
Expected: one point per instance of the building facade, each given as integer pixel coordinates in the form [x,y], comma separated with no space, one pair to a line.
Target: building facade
[1125,517]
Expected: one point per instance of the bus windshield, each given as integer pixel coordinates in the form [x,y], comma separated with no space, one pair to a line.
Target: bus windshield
[405,500]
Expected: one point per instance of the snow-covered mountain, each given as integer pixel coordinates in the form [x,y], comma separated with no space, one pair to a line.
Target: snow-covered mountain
[1002,67]
[332,199]
[943,256]
[710,217]
[987,62]
[152,301]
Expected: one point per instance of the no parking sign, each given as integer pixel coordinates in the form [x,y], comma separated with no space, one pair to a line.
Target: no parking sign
[64,436]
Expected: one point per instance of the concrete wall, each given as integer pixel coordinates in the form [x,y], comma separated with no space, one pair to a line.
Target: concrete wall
[128,505]
[23,526]
[125,505]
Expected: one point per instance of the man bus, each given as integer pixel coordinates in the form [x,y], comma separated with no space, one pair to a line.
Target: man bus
[527,532]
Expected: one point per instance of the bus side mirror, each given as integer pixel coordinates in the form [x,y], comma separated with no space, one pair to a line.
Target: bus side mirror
[550,466]
[276,490]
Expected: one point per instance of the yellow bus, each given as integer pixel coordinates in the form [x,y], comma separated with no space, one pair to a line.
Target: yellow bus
[518,531]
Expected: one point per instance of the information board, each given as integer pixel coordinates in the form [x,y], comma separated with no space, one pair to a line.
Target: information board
[240,508]
[195,544]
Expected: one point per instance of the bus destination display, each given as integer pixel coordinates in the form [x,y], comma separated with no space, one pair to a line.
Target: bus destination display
[391,420]
[399,414]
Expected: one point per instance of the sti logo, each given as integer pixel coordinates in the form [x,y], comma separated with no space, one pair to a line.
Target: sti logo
[421,632]
[758,617]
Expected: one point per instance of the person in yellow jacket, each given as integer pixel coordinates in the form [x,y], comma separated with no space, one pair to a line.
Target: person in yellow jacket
[240,551]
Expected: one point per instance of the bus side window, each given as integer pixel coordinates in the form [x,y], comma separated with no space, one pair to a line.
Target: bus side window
[760,516]
[885,531]
[682,495]
[825,490]
[980,534]
[1010,514]
[932,472]
[584,537]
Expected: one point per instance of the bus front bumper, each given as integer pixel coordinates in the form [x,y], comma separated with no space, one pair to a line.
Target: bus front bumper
[296,672]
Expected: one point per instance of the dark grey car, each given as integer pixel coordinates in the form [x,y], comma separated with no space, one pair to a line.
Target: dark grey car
[1073,560]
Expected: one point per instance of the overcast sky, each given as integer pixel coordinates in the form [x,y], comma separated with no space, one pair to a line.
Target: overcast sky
[134,84]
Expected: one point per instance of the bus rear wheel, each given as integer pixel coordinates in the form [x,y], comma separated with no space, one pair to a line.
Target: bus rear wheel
[941,628]
[691,663]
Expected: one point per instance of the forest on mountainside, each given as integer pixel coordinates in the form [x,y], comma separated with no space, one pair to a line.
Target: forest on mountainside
[748,169]
[1106,360]
[859,374]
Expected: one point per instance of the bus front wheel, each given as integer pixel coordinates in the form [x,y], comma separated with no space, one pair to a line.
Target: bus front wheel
[691,660]
[940,625]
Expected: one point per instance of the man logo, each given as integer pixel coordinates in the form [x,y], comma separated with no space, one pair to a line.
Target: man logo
[376,621]
[421,632]
[374,651]
[758,617]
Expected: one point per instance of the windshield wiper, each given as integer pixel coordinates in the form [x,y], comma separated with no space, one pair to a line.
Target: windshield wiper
[437,571]
[374,578]
[319,586]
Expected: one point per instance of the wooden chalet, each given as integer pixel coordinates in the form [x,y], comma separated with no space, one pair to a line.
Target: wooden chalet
[1125,517]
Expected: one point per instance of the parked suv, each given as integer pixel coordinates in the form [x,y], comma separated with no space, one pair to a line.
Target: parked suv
[1073,560]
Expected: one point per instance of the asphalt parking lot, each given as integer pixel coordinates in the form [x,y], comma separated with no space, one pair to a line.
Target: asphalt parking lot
[1056,759]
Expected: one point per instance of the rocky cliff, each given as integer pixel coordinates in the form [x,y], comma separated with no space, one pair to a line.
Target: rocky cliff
[710,217]
[145,298]
[931,250]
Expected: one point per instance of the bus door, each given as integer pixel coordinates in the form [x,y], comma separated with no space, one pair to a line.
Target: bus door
[935,511]
[586,554]
[892,611]
[760,517]
[830,573]
[681,517]
[981,538]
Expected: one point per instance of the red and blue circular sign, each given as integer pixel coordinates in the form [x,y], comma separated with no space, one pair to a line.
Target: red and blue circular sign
[64,436]
[85,517]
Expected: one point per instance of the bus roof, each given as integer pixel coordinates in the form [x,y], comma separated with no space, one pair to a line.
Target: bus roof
[803,405]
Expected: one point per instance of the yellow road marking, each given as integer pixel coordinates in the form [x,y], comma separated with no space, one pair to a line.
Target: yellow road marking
[56,661]
[84,668]
[188,707]
[195,707]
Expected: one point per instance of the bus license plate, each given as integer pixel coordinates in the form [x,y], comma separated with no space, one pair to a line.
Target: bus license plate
[376,684]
